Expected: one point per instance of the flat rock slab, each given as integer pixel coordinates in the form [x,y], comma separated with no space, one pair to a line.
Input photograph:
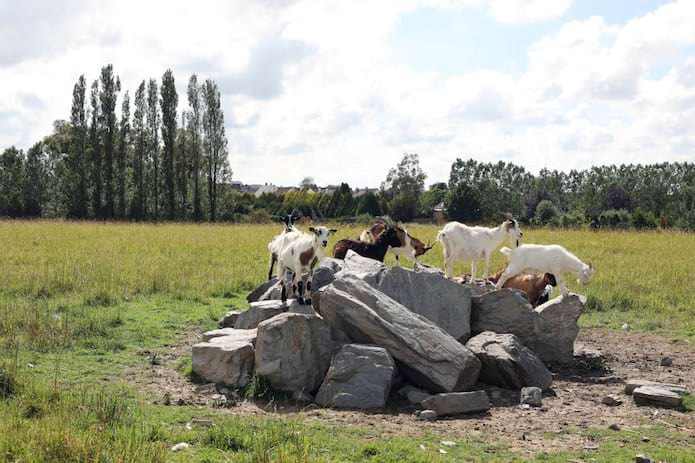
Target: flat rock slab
[359,377]
[444,302]
[240,334]
[293,352]
[507,363]
[267,290]
[633,384]
[413,394]
[229,319]
[458,403]
[263,310]
[363,268]
[657,397]
[227,360]
[426,355]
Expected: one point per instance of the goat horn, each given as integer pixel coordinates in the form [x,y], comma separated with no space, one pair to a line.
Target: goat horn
[507,215]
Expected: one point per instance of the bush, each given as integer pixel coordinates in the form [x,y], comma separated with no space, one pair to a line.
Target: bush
[570,220]
[404,207]
[642,220]
[545,212]
[614,219]
[259,216]
[687,221]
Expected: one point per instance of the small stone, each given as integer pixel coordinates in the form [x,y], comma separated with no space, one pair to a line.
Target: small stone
[666,362]
[422,447]
[532,396]
[427,415]
[412,394]
[611,401]
[642,458]
[625,327]
[614,427]
[458,403]
[655,396]
[448,443]
[443,452]
[645,439]
[180,446]
[633,384]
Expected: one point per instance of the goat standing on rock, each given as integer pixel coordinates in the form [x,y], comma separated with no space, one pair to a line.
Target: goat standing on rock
[411,248]
[280,241]
[300,256]
[540,258]
[376,250]
[462,242]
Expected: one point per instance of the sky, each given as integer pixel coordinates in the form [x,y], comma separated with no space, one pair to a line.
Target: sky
[339,90]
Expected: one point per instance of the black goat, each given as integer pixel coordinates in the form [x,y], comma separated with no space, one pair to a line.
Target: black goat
[376,250]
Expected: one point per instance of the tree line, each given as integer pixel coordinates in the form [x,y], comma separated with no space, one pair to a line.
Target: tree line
[166,164]
[151,166]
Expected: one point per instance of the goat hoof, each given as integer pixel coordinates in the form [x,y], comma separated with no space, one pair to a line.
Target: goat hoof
[300,300]
[307,301]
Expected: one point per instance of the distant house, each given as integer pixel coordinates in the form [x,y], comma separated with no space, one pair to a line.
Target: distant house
[328,190]
[439,213]
[267,188]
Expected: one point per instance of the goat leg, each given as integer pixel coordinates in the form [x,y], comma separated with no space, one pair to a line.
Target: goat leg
[300,291]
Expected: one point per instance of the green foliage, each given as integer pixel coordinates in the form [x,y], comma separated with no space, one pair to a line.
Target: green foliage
[406,177]
[546,212]
[8,383]
[404,206]
[614,219]
[643,219]
[464,204]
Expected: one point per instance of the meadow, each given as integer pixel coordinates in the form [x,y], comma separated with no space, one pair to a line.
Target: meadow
[82,303]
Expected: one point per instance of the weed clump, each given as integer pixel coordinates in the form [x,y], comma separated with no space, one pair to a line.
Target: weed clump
[8,384]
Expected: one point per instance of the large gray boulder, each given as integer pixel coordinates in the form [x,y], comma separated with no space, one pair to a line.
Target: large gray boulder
[556,328]
[229,319]
[507,363]
[363,268]
[262,310]
[267,290]
[293,352]
[226,359]
[359,377]
[457,403]
[504,311]
[427,355]
[549,330]
[218,333]
[444,302]
[324,274]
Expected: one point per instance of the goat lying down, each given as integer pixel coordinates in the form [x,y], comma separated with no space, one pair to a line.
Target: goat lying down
[537,286]
[465,243]
[553,259]
[300,256]
[411,248]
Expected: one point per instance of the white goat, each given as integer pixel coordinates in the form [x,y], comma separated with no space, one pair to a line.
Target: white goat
[280,241]
[540,258]
[465,243]
[300,256]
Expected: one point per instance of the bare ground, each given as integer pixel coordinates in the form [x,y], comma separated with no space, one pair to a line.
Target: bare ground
[574,402]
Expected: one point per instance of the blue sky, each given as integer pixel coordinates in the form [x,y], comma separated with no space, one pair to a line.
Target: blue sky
[340,90]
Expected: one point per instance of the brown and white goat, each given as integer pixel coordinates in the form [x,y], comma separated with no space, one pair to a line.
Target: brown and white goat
[300,256]
[537,286]
[411,248]
[376,250]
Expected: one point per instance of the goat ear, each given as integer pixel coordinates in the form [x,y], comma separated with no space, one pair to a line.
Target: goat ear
[332,230]
[550,279]
[312,229]
[591,266]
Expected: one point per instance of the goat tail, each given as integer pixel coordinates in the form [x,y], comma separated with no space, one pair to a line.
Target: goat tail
[506,251]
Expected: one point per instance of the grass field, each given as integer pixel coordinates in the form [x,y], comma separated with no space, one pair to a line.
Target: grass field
[81,303]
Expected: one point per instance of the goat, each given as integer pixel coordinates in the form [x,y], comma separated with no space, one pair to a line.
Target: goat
[300,256]
[411,248]
[280,241]
[462,242]
[537,287]
[540,258]
[377,250]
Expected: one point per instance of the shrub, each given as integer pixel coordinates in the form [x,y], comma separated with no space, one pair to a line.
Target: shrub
[8,384]
[614,219]
[643,219]
[545,211]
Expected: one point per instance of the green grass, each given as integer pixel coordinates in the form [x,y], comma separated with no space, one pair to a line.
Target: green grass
[83,303]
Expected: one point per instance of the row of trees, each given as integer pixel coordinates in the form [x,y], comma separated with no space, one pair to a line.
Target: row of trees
[146,167]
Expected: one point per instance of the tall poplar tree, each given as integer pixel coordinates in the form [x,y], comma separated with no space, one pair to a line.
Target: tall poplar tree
[140,145]
[110,86]
[95,150]
[194,124]
[121,162]
[76,184]
[169,103]
[215,143]
[153,122]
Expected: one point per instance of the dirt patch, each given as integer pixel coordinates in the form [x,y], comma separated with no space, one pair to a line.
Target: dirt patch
[574,402]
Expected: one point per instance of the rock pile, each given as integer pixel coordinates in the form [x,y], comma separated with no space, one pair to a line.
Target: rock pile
[375,333]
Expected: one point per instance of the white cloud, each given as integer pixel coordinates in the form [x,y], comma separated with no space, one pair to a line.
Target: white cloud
[310,88]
